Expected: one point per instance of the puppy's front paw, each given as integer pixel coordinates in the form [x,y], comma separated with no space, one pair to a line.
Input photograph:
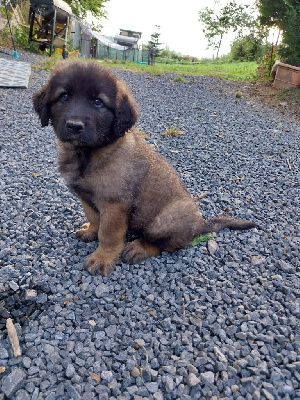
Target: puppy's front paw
[97,264]
[86,234]
[138,251]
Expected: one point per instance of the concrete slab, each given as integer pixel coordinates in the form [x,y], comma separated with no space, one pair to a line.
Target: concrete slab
[14,74]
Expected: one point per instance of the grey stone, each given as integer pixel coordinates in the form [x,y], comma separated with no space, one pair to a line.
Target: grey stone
[132,389]
[30,387]
[51,396]
[192,380]
[72,391]
[111,331]
[33,370]
[152,387]
[13,285]
[285,266]
[22,395]
[101,290]
[267,394]
[150,297]
[265,338]
[44,385]
[196,321]
[207,377]
[3,353]
[103,396]
[158,396]
[241,335]
[140,342]
[146,375]
[26,362]
[42,298]
[212,247]
[12,382]
[49,349]
[107,375]
[256,395]
[220,355]
[168,383]
[287,389]
[70,370]
[30,294]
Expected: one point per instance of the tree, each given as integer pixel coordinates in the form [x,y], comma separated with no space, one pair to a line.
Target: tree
[153,45]
[284,14]
[232,16]
[81,7]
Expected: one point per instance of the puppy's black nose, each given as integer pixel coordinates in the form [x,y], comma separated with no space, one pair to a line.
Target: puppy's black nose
[75,126]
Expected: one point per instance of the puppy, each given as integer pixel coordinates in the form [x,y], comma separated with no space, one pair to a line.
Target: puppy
[123,185]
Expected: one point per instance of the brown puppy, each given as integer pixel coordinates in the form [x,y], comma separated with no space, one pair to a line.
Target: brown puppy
[121,182]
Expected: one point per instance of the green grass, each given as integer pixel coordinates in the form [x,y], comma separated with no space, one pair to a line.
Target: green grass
[235,71]
[238,71]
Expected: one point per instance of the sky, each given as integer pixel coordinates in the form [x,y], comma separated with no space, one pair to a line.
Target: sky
[180,28]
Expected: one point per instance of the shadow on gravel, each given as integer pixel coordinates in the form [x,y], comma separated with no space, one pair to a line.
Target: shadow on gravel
[23,305]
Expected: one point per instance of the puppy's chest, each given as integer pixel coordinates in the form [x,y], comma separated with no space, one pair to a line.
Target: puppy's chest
[74,167]
[99,176]
[90,175]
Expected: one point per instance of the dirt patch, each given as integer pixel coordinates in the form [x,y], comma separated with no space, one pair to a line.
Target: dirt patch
[285,101]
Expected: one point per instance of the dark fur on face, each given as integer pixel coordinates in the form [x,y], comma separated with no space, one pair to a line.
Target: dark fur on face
[121,182]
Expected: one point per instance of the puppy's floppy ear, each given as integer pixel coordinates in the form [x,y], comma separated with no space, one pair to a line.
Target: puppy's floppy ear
[126,113]
[41,105]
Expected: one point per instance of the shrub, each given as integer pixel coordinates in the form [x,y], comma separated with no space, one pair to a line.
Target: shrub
[288,55]
[248,48]
[21,40]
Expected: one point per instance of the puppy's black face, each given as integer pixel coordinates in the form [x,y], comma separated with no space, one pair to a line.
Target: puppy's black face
[81,112]
[87,105]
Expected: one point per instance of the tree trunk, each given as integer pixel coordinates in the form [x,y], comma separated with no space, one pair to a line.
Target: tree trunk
[219,45]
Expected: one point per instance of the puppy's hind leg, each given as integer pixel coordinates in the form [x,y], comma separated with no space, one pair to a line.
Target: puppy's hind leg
[171,229]
[88,232]
[138,251]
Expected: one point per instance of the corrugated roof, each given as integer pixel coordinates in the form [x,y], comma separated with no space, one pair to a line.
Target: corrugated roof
[102,39]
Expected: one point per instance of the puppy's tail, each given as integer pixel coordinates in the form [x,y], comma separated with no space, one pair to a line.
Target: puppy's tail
[218,223]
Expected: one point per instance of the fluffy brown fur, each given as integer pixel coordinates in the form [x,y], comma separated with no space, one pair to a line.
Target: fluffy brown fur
[121,182]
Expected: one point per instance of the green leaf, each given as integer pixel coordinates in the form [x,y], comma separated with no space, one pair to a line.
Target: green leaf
[201,238]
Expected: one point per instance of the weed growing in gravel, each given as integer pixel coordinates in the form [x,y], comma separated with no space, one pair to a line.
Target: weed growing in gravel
[173,131]
[48,63]
[179,78]
[201,238]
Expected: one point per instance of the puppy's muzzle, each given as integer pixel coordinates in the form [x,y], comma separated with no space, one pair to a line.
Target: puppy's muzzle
[75,127]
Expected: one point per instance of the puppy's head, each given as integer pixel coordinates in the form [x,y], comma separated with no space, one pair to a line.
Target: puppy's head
[86,103]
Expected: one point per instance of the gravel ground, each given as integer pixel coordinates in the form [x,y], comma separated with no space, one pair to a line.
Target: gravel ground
[216,321]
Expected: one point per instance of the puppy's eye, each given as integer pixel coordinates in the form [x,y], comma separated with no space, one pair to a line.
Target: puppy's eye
[65,97]
[98,102]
